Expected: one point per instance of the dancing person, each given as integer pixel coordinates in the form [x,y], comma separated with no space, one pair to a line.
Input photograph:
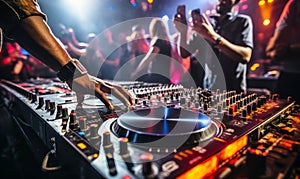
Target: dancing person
[284,46]
[155,66]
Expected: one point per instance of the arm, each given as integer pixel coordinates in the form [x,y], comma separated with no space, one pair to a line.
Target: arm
[278,45]
[146,60]
[76,50]
[182,27]
[35,36]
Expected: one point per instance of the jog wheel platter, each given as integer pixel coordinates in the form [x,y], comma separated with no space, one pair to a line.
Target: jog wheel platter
[165,127]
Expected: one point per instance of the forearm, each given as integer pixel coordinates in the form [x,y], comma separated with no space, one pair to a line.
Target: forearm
[239,53]
[35,36]
[183,46]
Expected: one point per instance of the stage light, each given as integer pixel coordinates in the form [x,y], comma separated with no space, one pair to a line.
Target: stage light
[266,22]
[270,1]
[133,3]
[150,1]
[261,2]
[245,7]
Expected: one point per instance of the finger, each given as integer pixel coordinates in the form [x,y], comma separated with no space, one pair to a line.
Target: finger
[121,97]
[204,19]
[125,94]
[121,93]
[102,96]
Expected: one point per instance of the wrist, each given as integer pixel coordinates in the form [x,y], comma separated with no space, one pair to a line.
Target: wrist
[71,70]
[218,41]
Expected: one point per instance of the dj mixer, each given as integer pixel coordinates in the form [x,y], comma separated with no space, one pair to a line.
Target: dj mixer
[170,132]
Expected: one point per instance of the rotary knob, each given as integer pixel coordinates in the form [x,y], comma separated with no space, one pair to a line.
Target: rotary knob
[147,167]
[52,107]
[125,154]
[58,111]
[65,118]
[73,125]
[41,102]
[33,98]
[47,104]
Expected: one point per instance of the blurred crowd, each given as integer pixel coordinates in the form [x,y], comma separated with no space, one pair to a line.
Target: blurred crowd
[17,65]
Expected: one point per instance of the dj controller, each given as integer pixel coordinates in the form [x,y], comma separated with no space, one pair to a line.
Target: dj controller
[170,132]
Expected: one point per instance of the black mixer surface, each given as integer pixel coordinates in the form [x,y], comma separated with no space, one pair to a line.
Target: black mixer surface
[164,134]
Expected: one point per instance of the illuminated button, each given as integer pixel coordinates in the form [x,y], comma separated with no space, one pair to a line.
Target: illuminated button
[81,145]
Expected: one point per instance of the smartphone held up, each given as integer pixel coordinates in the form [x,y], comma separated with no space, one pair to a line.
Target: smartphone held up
[196,16]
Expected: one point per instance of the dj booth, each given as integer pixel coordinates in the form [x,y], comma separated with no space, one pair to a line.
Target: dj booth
[170,132]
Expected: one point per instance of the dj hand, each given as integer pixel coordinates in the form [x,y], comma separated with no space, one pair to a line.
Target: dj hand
[88,84]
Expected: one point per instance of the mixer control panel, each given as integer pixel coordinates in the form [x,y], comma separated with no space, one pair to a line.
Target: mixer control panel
[170,132]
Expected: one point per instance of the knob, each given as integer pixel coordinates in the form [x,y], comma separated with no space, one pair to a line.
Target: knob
[244,113]
[111,164]
[124,152]
[182,101]
[254,106]
[147,168]
[94,130]
[47,106]
[259,103]
[275,97]
[52,107]
[65,118]
[223,104]
[41,102]
[29,96]
[136,101]
[94,138]
[83,123]
[227,102]
[289,99]
[108,149]
[219,108]
[144,103]
[107,145]
[73,122]
[205,107]
[58,111]
[249,109]
[230,111]
[197,105]
[33,98]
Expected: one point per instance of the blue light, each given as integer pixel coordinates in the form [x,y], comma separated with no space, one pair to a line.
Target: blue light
[134,4]
[166,113]
[81,133]
[111,8]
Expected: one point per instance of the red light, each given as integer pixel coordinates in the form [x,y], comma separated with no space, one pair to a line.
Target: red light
[245,7]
